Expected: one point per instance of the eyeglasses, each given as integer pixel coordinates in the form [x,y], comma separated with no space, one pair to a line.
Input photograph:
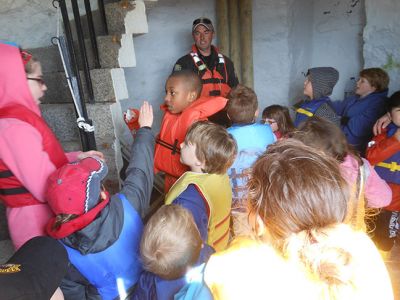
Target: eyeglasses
[269,121]
[201,21]
[40,80]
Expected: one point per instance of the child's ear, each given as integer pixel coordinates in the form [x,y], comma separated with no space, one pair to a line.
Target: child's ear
[256,113]
[192,96]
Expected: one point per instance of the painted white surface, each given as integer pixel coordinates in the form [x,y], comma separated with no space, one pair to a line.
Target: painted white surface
[337,39]
[136,20]
[382,38]
[32,23]
[126,54]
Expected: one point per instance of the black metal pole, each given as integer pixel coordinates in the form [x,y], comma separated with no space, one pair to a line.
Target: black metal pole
[82,50]
[87,139]
[92,34]
[100,4]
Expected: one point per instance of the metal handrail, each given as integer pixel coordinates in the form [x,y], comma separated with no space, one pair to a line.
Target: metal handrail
[87,138]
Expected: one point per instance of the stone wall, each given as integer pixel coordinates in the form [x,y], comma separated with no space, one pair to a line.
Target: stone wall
[31,23]
[382,38]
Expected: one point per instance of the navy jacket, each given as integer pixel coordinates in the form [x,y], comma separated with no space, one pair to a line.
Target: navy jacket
[358,116]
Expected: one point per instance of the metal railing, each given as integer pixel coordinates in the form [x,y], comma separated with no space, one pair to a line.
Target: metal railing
[87,137]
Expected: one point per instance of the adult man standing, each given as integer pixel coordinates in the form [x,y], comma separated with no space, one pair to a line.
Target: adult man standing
[215,69]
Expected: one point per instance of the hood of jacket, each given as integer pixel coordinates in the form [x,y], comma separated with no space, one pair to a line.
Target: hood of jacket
[14,87]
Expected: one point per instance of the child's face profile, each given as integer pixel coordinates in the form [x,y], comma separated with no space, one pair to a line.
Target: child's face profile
[395,116]
[36,84]
[272,123]
[364,88]
[177,96]
[308,91]
[188,155]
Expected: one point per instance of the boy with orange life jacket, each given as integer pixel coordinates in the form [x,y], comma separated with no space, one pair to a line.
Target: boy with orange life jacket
[183,106]
[208,150]
[384,153]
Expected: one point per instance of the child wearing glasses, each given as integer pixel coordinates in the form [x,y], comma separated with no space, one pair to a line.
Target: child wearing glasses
[29,150]
[278,118]
[252,139]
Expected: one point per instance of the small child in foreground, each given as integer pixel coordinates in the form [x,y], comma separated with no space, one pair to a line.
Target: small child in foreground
[208,150]
[183,106]
[173,256]
[278,118]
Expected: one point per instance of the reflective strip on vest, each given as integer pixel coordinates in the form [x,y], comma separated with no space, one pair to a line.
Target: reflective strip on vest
[304,112]
[393,166]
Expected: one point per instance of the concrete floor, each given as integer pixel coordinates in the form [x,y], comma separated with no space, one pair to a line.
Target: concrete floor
[393,265]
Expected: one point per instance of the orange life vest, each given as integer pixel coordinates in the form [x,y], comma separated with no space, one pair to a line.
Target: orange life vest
[214,83]
[12,192]
[173,131]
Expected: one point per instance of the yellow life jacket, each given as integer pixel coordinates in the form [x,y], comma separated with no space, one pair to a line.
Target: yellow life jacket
[218,194]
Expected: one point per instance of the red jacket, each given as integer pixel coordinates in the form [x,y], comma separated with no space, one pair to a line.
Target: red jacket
[173,131]
[12,193]
[382,149]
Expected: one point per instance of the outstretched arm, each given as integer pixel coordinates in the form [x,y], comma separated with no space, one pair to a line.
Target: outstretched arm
[138,184]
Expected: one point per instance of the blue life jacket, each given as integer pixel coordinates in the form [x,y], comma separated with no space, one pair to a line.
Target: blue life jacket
[389,169]
[252,140]
[118,266]
[308,109]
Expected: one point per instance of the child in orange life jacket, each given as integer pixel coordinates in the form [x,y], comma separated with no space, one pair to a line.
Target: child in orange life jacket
[278,118]
[183,106]
[384,153]
[208,150]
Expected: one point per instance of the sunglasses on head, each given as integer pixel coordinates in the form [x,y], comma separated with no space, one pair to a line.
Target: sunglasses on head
[201,20]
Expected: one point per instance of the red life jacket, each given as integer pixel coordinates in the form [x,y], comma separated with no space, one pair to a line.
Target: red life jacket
[214,83]
[173,131]
[12,192]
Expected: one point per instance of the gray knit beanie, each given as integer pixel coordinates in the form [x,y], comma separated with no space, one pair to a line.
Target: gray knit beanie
[323,79]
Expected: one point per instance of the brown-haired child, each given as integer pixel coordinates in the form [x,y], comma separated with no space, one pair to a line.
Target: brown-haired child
[278,118]
[183,106]
[300,249]
[208,150]
[252,139]
[368,189]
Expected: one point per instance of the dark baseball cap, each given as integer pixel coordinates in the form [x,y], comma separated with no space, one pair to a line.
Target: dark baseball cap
[203,21]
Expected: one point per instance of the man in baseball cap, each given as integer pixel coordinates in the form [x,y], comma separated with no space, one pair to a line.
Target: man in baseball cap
[215,69]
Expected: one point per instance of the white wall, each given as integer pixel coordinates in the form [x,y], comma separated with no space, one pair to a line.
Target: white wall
[31,23]
[337,39]
[270,52]
[382,38]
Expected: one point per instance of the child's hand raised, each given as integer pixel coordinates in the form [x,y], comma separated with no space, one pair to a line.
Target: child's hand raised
[146,115]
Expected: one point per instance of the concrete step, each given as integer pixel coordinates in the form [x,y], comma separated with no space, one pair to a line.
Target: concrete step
[128,19]
[6,250]
[58,90]
[4,235]
[61,118]
[108,47]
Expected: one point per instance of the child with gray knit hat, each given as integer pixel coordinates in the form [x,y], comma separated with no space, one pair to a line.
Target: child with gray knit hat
[317,87]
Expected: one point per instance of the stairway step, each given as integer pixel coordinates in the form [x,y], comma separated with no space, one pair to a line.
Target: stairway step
[58,90]
[6,250]
[108,47]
